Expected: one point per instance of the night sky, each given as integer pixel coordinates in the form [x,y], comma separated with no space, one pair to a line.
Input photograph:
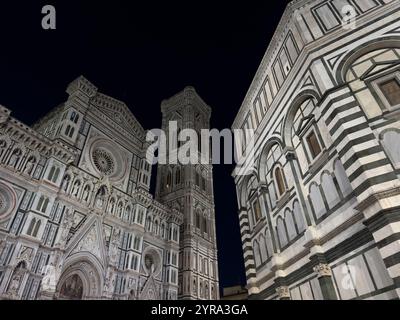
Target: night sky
[142,53]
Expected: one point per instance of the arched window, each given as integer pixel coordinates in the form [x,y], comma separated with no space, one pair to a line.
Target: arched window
[51,173]
[342,179]
[31,226]
[257,253]
[198,219]
[281,229]
[68,130]
[257,211]
[42,204]
[263,248]
[56,175]
[298,217]
[268,242]
[290,226]
[279,179]
[330,191]
[36,229]
[317,202]
[204,228]
[197,179]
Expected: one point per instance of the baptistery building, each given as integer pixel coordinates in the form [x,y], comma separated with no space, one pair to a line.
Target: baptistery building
[77,220]
[319,203]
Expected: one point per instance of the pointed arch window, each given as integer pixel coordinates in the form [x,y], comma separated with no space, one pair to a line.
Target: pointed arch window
[31,226]
[257,211]
[280,182]
[313,144]
[42,204]
[36,229]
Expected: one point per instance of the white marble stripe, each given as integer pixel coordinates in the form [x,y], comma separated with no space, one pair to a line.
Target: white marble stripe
[378,188]
[355,135]
[347,125]
[343,114]
[334,95]
[364,161]
[357,148]
[394,271]
[368,174]
[390,249]
[386,231]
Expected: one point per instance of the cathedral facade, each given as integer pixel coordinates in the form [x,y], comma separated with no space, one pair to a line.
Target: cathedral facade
[319,207]
[77,220]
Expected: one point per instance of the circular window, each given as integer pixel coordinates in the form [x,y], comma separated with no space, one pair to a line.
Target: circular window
[152,261]
[7,201]
[103,161]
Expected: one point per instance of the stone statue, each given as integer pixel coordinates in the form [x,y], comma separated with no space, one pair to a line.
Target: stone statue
[14,158]
[65,184]
[29,166]
[49,281]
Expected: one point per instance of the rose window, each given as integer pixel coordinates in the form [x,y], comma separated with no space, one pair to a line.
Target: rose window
[103,161]
[6,201]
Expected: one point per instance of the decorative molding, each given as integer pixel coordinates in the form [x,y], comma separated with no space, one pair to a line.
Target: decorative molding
[323,270]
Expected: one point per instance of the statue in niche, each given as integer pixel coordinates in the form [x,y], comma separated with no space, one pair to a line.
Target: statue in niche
[100,197]
[49,281]
[85,195]
[15,157]
[3,146]
[76,188]
[29,165]
[65,183]
[16,279]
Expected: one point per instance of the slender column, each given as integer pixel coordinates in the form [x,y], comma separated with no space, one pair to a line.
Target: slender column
[325,281]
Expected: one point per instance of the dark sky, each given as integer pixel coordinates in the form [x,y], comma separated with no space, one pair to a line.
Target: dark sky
[142,52]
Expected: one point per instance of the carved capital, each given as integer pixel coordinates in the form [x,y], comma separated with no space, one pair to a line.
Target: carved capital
[283,292]
[323,270]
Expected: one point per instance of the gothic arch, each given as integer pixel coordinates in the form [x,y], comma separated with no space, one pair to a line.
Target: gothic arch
[348,59]
[90,273]
[301,97]
[262,162]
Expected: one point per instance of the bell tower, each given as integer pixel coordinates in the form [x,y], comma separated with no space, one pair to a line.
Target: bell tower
[189,189]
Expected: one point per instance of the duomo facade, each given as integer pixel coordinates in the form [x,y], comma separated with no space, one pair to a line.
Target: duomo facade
[77,220]
[319,213]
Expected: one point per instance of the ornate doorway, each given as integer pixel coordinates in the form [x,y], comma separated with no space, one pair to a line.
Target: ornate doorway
[72,288]
[80,280]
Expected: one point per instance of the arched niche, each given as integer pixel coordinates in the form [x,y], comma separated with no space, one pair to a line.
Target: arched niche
[81,279]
